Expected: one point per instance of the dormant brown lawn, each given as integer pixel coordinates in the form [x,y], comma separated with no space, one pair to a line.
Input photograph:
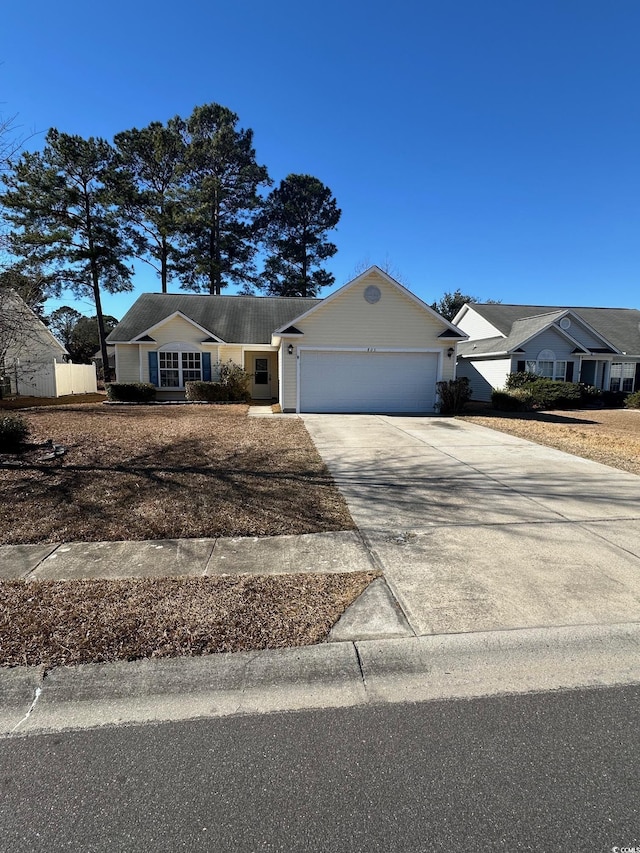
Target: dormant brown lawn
[609,436]
[94,621]
[145,472]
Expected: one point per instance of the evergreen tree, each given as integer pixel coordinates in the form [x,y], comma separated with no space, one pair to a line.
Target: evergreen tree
[451,303]
[60,203]
[62,322]
[218,204]
[150,171]
[296,218]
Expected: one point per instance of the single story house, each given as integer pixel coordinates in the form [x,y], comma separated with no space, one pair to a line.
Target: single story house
[32,361]
[596,346]
[372,346]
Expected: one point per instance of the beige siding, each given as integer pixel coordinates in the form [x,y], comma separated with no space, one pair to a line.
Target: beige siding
[177,329]
[233,353]
[394,322]
[127,363]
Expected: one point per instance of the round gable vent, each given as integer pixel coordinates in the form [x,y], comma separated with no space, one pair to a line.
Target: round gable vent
[372,294]
[565,323]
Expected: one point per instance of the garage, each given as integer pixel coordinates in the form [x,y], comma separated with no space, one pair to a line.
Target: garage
[357,381]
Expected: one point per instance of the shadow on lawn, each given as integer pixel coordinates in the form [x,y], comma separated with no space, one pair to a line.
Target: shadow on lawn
[156,495]
[542,417]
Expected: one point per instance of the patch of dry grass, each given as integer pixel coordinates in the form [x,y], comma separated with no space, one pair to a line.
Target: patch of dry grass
[58,623]
[609,436]
[33,402]
[138,472]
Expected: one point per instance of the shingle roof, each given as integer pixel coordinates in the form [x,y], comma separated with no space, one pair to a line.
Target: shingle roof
[233,319]
[619,326]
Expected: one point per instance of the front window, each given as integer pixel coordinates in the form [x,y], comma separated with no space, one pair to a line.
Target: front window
[548,369]
[622,376]
[176,368]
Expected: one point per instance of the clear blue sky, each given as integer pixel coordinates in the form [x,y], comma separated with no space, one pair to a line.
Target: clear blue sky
[486,145]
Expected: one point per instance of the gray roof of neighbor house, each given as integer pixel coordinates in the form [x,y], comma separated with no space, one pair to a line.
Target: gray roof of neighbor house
[618,326]
[232,319]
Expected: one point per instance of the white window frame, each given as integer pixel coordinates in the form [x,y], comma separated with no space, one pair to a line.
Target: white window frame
[625,378]
[556,371]
[186,356]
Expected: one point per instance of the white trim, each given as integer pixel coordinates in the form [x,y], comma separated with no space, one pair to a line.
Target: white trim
[166,319]
[179,346]
[438,350]
[581,321]
[415,299]
[556,328]
[257,348]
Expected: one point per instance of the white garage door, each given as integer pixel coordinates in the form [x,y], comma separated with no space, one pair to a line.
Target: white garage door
[367,381]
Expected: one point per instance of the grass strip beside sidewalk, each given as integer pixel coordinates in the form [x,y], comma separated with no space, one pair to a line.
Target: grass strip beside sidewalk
[55,623]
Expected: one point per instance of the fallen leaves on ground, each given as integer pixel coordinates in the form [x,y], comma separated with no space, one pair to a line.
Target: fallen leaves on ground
[609,436]
[56,623]
[166,472]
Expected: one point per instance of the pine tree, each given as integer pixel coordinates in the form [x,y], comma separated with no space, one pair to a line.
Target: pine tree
[150,171]
[296,218]
[218,205]
[61,204]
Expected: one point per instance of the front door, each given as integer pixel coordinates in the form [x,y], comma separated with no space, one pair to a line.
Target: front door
[261,380]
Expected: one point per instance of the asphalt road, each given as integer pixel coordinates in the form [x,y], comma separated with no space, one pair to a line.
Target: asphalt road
[545,772]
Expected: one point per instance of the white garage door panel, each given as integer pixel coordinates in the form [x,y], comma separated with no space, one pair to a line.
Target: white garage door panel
[367,381]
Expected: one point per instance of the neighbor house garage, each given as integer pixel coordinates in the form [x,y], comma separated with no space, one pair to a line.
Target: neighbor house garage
[372,346]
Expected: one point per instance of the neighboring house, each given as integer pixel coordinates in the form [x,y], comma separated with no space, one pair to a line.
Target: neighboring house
[371,346]
[33,362]
[96,358]
[596,346]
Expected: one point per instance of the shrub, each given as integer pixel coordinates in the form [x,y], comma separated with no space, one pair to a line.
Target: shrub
[633,401]
[207,392]
[551,394]
[454,394]
[236,380]
[13,431]
[505,401]
[590,394]
[517,380]
[130,392]
[613,399]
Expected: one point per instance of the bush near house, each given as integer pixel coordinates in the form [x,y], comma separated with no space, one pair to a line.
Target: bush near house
[517,380]
[454,395]
[511,401]
[542,394]
[130,392]
[231,387]
[13,432]
[633,401]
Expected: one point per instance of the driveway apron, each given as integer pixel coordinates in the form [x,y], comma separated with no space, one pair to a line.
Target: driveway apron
[478,530]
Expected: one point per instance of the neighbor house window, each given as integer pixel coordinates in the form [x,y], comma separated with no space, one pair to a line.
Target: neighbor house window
[622,376]
[176,368]
[548,368]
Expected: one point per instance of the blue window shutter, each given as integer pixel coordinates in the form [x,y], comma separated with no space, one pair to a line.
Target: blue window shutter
[153,368]
[206,366]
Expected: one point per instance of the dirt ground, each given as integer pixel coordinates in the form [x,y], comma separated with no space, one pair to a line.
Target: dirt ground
[609,436]
[145,472]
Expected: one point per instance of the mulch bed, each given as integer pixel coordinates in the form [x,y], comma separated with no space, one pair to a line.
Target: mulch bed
[58,623]
[608,436]
[165,473]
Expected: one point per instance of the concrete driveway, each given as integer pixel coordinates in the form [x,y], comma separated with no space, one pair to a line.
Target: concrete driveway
[477,530]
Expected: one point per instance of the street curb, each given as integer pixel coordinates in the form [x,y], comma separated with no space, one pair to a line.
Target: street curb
[330,675]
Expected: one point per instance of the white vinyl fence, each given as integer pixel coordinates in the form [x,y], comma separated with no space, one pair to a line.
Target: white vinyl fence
[51,379]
